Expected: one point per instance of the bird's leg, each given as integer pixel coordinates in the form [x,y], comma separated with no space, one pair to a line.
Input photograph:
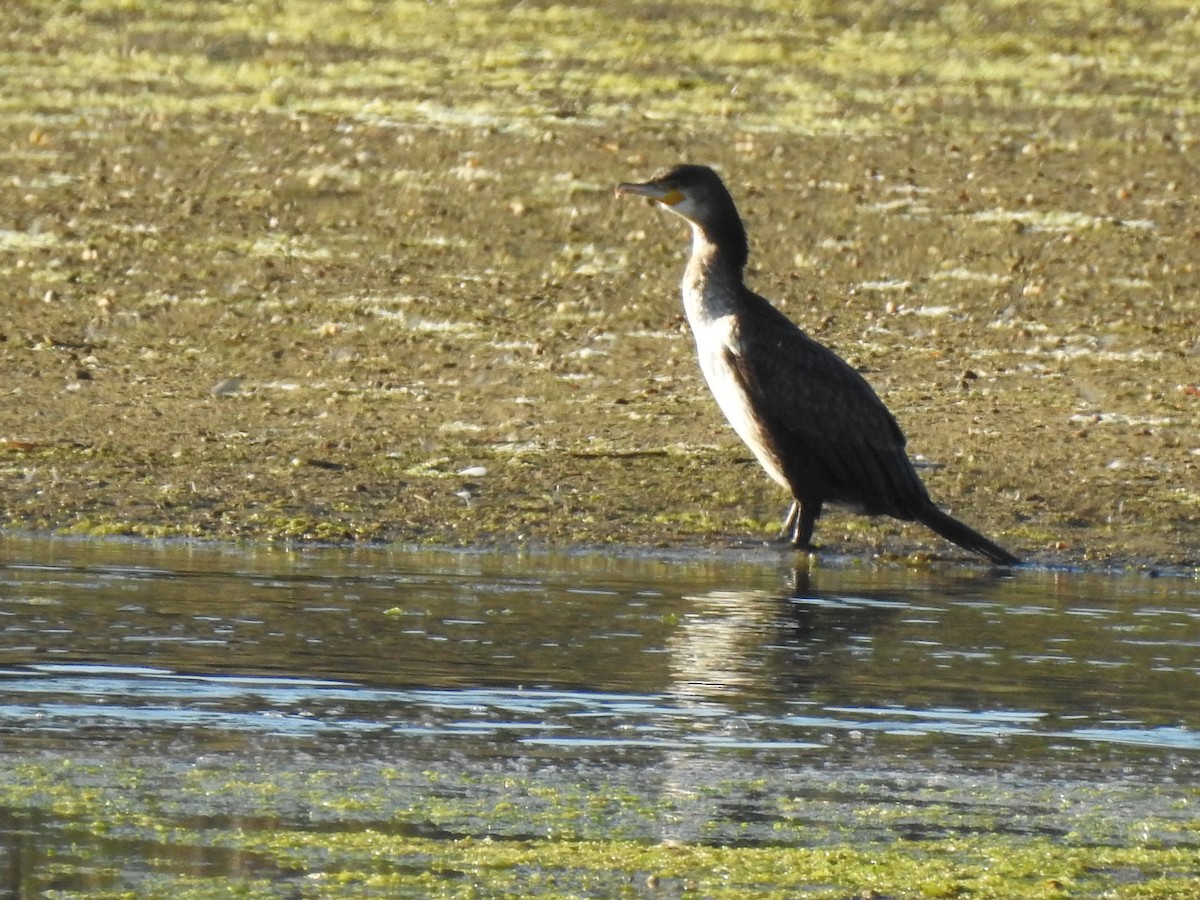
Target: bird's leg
[788,531]
[806,516]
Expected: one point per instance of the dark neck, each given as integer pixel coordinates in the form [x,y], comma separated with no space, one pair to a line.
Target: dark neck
[730,248]
[720,252]
[712,281]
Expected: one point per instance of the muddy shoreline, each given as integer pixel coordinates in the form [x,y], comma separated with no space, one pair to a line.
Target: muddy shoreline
[274,318]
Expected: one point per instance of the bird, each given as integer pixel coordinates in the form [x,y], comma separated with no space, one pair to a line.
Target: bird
[811,420]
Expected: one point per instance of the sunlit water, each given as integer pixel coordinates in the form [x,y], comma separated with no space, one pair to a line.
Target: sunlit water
[843,684]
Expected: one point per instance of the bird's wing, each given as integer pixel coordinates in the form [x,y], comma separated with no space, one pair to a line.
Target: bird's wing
[823,416]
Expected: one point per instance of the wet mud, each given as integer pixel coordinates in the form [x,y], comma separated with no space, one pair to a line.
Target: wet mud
[279,279]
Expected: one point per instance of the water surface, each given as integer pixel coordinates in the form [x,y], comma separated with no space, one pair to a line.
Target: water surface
[697,698]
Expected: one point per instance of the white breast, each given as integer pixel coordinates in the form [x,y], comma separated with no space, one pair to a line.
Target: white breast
[715,338]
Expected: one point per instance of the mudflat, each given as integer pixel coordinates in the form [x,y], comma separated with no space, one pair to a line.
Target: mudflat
[271,277]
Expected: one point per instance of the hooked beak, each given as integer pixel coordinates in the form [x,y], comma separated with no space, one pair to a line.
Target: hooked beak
[653,190]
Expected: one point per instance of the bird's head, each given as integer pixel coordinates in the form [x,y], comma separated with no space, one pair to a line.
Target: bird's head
[697,194]
[694,192]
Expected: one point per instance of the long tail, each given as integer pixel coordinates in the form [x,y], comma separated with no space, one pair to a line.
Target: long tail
[965,536]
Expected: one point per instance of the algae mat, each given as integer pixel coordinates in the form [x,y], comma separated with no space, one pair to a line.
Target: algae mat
[304,271]
[285,830]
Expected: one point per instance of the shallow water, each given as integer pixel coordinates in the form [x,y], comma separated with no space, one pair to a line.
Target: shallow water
[722,698]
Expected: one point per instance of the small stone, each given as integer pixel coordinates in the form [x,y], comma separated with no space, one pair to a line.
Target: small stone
[227,387]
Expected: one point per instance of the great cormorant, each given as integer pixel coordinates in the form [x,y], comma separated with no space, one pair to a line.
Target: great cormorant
[811,420]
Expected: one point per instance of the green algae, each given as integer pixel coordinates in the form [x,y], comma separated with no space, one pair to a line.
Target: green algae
[824,66]
[366,832]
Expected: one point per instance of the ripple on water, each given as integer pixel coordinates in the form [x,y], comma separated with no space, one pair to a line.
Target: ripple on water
[735,702]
